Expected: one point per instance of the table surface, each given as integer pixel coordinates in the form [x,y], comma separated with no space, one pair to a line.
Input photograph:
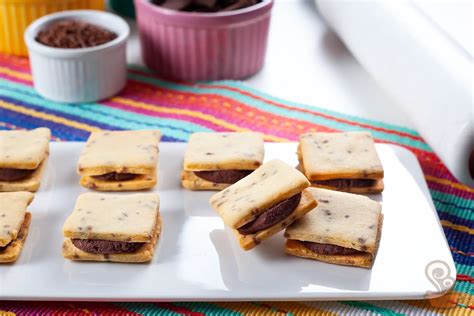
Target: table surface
[308,64]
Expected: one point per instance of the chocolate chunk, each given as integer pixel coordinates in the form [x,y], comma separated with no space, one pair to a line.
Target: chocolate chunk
[9,174]
[328,249]
[345,183]
[271,216]
[98,246]
[116,176]
[74,34]
[223,176]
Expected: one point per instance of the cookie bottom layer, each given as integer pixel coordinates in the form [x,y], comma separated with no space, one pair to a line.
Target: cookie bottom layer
[140,182]
[30,184]
[307,203]
[13,250]
[377,187]
[143,254]
[297,248]
[190,181]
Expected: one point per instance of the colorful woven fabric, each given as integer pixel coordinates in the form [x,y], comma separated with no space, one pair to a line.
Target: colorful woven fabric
[179,109]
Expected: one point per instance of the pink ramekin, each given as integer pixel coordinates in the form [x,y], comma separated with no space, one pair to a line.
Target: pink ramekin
[203,46]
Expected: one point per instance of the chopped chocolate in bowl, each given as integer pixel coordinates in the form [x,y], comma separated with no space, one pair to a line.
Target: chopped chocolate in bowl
[223,176]
[345,183]
[106,246]
[328,249]
[205,5]
[272,216]
[116,176]
[74,34]
[10,174]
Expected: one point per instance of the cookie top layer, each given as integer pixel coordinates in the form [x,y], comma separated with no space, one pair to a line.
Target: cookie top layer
[24,149]
[12,214]
[217,151]
[130,217]
[349,155]
[120,151]
[342,219]
[270,184]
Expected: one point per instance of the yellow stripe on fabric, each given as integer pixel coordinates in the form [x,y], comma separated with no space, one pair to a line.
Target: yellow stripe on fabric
[451,304]
[452,184]
[16,74]
[195,114]
[460,228]
[48,117]
[249,309]
[295,308]
[5,313]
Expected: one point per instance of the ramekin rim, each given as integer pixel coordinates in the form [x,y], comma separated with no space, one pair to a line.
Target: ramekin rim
[205,15]
[33,29]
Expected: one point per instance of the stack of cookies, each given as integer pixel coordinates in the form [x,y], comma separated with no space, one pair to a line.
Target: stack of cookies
[23,157]
[116,228]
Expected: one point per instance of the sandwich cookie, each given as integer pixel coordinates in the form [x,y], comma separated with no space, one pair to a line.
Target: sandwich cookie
[341,161]
[213,161]
[23,156]
[118,228]
[120,160]
[263,203]
[344,229]
[14,224]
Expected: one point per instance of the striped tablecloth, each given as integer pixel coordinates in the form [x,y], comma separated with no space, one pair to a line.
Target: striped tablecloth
[179,109]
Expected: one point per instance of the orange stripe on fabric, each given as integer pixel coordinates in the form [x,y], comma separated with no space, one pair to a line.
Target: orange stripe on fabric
[232,109]
[452,184]
[451,304]
[195,114]
[48,117]
[15,74]
[296,308]
[460,228]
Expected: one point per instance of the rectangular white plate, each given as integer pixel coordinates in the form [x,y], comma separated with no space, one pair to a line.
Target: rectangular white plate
[197,258]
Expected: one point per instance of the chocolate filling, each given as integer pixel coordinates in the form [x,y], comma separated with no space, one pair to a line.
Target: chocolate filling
[9,174]
[271,216]
[223,176]
[98,246]
[346,183]
[328,249]
[2,248]
[116,176]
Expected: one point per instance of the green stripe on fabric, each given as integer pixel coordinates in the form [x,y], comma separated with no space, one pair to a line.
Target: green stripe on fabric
[370,307]
[147,309]
[283,112]
[464,269]
[348,117]
[450,198]
[241,86]
[208,309]
[105,113]
[123,114]
[464,287]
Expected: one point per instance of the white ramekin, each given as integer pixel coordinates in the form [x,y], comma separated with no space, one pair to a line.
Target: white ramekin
[79,74]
